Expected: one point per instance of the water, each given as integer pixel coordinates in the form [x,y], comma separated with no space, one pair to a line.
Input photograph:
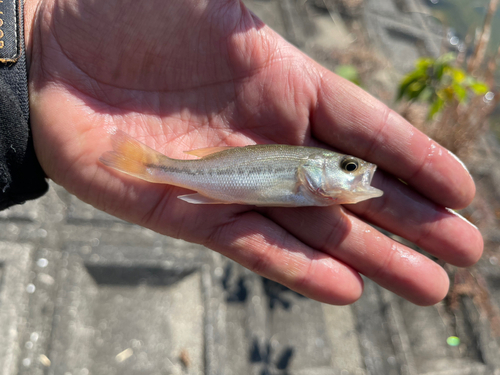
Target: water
[464,17]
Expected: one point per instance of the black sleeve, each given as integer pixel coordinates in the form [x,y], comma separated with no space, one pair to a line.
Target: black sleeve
[21,177]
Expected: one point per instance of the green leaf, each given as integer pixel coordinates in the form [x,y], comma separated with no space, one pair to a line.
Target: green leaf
[415,89]
[439,82]
[427,94]
[446,93]
[438,71]
[413,76]
[447,58]
[458,75]
[349,72]
[424,63]
[436,107]
[479,88]
[460,92]
[442,65]
[405,83]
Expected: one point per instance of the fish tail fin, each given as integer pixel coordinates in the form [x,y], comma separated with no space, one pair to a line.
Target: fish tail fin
[133,157]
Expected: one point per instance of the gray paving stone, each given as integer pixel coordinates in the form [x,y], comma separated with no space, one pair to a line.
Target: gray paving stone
[15,287]
[398,337]
[25,212]
[279,331]
[127,313]
[340,323]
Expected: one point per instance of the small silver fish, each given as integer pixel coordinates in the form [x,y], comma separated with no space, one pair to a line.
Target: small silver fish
[262,175]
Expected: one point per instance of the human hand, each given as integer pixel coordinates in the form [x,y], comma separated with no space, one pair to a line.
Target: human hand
[198,73]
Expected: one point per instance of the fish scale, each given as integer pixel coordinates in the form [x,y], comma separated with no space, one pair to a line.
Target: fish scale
[252,182]
[264,175]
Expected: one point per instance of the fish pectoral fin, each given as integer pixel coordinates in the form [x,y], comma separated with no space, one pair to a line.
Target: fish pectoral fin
[197,198]
[201,152]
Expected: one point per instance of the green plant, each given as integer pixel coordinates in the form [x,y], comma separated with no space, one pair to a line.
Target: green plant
[349,72]
[439,83]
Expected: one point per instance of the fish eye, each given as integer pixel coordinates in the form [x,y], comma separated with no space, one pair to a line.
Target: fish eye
[349,165]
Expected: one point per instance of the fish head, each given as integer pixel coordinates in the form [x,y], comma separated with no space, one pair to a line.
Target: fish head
[340,179]
[349,179]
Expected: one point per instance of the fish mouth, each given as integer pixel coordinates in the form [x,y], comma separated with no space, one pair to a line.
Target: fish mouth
[367,180]
[367,191]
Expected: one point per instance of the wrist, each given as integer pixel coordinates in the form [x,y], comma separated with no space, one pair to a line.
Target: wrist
[30,7]
[21,177]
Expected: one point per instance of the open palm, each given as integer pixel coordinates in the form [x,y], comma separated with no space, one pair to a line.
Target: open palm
[180,75]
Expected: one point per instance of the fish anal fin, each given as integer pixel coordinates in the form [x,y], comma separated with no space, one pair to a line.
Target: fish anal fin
[201,152]
[197,198]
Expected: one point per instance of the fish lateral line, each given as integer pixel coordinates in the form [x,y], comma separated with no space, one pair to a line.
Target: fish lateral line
[261,175]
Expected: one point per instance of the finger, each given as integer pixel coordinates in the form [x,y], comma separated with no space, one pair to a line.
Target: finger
[440,231]
[351,120]
[244,236]
[262,246]
[390,264]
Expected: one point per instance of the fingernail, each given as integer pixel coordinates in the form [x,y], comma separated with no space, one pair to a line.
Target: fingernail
[459,216]
[457,159]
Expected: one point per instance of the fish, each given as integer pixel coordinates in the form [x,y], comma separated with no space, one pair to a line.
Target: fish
[270,175]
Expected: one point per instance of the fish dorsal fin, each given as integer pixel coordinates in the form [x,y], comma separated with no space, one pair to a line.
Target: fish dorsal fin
[201,152]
